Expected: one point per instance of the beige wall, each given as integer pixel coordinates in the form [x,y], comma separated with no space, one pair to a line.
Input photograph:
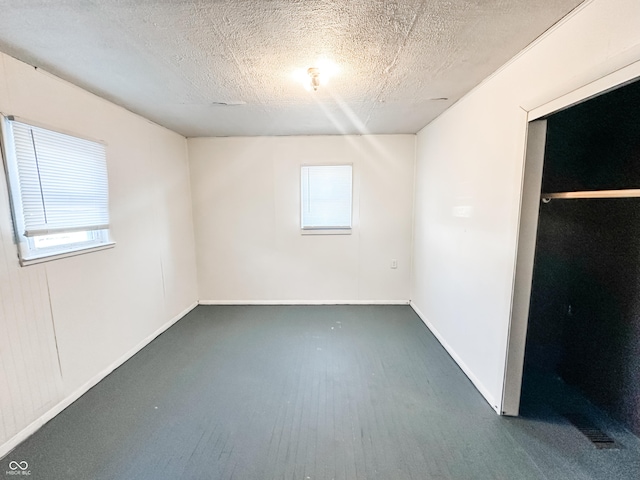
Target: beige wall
[66,323]
[468,184]
[246,201]
[99,307]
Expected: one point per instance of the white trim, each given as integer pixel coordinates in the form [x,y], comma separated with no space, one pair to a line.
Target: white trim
[25,262]
[529,204]
[34,426]
[456,358]
[325,231]
[550,31]
[610,81]
[46,126]
[303,302]
[543,36]
[519,312]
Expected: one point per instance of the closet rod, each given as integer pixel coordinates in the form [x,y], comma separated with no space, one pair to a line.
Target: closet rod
[629,193]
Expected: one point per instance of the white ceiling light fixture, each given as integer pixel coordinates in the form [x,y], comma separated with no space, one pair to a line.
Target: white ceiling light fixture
[314,77]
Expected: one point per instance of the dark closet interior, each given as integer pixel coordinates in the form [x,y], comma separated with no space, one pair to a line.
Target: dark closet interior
[584,320]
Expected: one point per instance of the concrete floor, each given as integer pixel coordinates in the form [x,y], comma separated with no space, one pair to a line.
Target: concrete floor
[311,392]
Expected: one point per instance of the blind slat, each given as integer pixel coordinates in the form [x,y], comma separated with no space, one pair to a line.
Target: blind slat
[63,181]
[326,196]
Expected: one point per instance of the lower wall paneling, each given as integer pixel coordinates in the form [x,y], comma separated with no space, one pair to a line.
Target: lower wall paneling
[69,399]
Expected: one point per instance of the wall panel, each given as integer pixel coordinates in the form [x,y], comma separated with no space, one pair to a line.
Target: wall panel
[469,183]
[246,197]
[67,323]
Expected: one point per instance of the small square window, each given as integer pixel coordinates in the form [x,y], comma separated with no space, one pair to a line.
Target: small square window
[326,192]
[59,192]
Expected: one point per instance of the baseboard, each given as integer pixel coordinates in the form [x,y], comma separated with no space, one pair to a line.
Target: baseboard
[34,426]
[456,358]
[304,302]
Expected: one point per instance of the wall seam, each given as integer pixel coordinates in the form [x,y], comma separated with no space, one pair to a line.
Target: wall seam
[53,323]
[412,265]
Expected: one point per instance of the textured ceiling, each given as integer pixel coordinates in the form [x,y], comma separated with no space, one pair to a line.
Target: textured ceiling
[401,62]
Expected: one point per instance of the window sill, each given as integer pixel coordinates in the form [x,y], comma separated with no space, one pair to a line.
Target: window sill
[326,231]
[25,262]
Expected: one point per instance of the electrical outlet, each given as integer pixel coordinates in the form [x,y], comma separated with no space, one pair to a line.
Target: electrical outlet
[394,263]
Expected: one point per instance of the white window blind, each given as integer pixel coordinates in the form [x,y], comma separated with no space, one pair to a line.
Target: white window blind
[62,181]
[326,196]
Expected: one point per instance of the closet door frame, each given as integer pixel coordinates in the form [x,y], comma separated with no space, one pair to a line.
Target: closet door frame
[528,223]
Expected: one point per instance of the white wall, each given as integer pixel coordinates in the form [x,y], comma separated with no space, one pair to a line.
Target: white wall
[66,323]
[469,180]
[246,201]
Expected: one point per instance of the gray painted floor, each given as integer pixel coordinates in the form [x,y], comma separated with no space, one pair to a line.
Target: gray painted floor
[323,392]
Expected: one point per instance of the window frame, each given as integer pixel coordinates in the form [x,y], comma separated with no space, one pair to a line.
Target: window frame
[28,252]
[326,230]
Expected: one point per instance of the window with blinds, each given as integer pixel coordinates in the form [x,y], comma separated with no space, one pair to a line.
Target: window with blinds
[59,191]
[326,197]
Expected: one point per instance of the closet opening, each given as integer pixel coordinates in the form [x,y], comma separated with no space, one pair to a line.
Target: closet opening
[582,352]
